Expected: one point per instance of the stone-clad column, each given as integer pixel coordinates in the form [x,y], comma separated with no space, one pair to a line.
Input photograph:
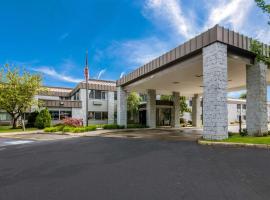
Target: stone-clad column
[215,111]
[151,109]
[256,99]
[110,107]
[121,106]
[196,111]
[176,110]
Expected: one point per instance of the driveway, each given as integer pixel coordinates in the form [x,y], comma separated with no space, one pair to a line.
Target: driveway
[114,168]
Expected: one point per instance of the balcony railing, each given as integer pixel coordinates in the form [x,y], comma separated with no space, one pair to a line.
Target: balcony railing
[61,103]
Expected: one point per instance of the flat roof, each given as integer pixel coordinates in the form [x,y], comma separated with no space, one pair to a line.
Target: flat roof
[234,40]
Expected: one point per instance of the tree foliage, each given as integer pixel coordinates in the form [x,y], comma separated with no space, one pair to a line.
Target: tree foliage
[257,47]
[243,96]
[133,102]
[183,105]
[43,119]
[17,91]
[264,6]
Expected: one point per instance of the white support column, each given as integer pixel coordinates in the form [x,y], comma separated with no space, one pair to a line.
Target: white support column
[176,110]
[256,113]
[110,107]
[151,109]
[121,106]
[196,111]
[215,80]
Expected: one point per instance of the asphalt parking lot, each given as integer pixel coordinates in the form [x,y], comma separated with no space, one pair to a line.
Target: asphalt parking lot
[127,168]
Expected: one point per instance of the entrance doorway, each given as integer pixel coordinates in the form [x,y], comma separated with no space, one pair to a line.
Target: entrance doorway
[163,117]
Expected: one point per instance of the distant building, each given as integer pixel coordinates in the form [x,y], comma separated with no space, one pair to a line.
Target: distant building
[71,102]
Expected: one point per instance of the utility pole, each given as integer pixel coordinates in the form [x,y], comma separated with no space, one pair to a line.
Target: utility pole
[86,74]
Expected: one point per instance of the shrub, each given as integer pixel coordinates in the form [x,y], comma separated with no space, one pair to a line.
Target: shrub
[113,126]
[31,119]
[43,119]
[136,126]
[99,125]
[244,132]
[78,130]
[182,121]
[90,128]
[51,129]
[68,129]
[72,122]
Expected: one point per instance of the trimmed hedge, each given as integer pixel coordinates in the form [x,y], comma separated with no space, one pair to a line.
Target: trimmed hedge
[113,126]
[64,129]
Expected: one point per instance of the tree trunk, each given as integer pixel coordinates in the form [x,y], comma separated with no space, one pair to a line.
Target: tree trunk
[14,122]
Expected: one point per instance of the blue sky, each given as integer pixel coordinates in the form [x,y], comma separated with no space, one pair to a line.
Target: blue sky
[51,37]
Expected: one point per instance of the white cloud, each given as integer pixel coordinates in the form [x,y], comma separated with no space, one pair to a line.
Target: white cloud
[122,74]
[171,12]
[63,36]
[232,12]
[138,52]
[50,71]
[101,73]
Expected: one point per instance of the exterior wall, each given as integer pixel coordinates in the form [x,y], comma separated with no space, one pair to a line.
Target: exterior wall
[82,98]
[256,99]
[151,109]
[111,107]
[215,111]
[121,107]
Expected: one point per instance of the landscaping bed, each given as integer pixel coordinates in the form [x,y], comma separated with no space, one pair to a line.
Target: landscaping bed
[9,129]
[237,140]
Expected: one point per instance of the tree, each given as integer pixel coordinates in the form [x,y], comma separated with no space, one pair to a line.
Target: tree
[17,91]
[133,102]
[257,47]
[264,6]
[183,106]
[43,119]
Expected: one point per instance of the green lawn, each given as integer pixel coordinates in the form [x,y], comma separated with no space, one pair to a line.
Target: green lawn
[248,139]
[9,129]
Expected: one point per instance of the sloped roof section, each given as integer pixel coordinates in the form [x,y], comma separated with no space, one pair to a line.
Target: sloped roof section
[216,34]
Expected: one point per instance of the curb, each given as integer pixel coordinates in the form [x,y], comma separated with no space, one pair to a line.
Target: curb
[230,144]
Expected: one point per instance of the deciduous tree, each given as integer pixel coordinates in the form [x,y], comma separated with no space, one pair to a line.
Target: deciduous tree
[17,91]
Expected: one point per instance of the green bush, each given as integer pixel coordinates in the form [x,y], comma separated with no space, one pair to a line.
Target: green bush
[68,129]
[31,119]
[99,125]
[136,126]
[113,126]
[59,127]
[78,130]
[244,132]
[51,129]
[91,128]
[43,119]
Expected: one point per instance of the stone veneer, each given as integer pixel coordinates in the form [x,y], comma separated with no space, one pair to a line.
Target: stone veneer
[151,109]
[176,110]
[215,111]
[196,111]
[110,107]
[121,106]
[256,114]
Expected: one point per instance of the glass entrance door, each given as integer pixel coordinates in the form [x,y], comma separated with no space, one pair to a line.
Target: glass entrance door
[163,116]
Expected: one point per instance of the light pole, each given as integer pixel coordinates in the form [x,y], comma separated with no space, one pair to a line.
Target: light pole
[86,74]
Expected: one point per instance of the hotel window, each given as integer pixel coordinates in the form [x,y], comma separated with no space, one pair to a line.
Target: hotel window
[98,115]
[115,95]
[4,116]
[65,114]
[54,114]
[77,96]
[97,94]
[244,106]
[190,103]
[238,106]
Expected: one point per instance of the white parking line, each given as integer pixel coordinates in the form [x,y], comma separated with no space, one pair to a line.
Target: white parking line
[2,149]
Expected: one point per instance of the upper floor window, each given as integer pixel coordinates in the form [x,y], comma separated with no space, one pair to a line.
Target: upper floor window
[97,94]
[77,96]
[115,95]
